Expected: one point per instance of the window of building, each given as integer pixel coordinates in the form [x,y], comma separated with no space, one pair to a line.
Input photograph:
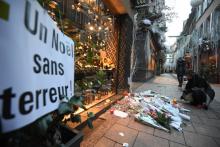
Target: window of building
[201,31]
[209,2]
[205,4]
[208,29]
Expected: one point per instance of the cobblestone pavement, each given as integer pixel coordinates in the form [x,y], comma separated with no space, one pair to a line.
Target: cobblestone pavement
[202,131]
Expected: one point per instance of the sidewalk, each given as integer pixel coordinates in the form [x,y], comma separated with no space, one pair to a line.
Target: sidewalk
[202,131]
[216,87]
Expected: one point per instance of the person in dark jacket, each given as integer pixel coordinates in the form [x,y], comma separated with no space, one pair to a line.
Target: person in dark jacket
[198,91]
[180,70]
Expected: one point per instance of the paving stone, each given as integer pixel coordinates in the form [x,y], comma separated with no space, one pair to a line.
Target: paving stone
[105,142]
[121,134]
[211,122]
[108,116]
[173,144]
[189,107]
[188,127]
[217,114]
[160,80]
[98,133]
[136,133]
[207,130]
[96,124]
[217,140]
[199,112]
[211,114]
[83,144]
[124,121]
[140,127]
[173,136]
[216,107]
[196,119]
[118,145]
[147,140]
[197,140]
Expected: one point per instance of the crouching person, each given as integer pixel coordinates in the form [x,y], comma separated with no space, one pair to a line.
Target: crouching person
[198,92]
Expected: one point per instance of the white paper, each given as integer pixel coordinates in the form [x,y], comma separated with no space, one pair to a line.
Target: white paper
[120,114]
[184,116]
[184,110]
[36,58]
[176,125]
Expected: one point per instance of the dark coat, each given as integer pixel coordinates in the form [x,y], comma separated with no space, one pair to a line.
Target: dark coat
[203,88]
[197,81]
[180,67]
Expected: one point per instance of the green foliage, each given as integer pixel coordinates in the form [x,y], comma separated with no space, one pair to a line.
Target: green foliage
[163,120]
[94,45]
[89,123]
[90,56]
[82,84]
[90,114]
[89,120]
[43,124]
[76,118]
[64,108]
[101,76]
[77,101]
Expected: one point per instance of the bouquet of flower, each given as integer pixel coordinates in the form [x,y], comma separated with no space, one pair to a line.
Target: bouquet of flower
[162,118]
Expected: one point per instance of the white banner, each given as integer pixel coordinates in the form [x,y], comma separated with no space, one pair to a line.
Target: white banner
[36,64]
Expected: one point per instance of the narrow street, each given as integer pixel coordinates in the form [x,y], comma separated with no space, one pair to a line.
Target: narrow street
[203,130]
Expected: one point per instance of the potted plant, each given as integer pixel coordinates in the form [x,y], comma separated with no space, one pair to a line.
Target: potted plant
[101,77]
[50,130]
[105,86]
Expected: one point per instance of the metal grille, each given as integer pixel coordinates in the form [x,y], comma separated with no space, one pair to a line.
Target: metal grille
[125,25]
[111,50]
[112,45]
[118,49]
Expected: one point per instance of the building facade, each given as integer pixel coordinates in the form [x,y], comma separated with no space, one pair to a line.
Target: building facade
[132,34]
[200,40]
[148,39]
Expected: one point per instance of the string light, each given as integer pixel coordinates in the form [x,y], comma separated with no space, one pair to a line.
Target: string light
[53,4]
[78,9]
[91,28]
[73,7]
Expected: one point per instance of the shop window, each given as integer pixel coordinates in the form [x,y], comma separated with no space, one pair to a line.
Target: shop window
[93,27]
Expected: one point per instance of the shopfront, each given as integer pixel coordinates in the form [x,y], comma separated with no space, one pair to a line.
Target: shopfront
[83,51]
